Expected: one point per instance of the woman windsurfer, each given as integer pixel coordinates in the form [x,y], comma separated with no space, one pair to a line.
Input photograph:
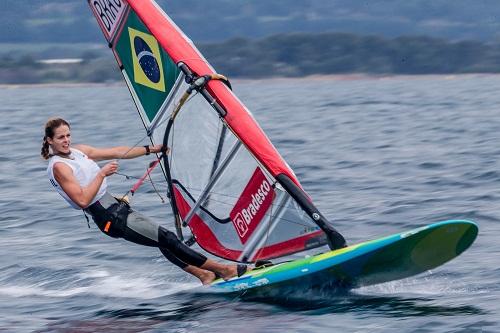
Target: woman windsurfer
[73,172]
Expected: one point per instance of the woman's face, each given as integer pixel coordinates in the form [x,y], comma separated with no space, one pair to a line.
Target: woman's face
[61,141]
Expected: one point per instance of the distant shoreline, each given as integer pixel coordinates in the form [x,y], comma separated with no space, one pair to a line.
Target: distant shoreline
[318,77]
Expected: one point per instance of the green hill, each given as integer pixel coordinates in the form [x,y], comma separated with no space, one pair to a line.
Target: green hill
[285,55]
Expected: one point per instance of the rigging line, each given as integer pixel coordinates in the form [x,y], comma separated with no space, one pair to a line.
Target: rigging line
[127,177]
[154,187]
[150,181]
[152,165]
[132,147]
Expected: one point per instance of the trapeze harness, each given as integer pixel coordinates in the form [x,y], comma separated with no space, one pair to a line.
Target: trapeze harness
[115,218]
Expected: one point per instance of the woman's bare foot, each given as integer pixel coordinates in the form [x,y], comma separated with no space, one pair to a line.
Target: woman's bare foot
[226,272]
[207,278]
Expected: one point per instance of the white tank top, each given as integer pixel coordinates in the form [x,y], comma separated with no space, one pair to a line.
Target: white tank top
[84,170]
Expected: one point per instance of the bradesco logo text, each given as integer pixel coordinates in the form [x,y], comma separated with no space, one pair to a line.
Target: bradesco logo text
[252,205]
[257,199]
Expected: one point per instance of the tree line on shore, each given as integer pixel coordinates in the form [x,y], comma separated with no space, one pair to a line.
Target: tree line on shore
[287,55]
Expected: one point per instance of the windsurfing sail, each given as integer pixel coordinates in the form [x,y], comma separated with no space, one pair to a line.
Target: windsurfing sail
[226,181]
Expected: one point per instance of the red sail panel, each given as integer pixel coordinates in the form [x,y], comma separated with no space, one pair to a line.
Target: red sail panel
[209,241]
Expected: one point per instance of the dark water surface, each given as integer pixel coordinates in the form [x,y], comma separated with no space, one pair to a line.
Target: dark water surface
[379,156]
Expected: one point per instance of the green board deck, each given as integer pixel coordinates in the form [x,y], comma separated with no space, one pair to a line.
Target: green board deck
[381,260]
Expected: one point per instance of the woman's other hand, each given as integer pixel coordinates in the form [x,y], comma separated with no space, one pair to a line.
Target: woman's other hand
[109,168]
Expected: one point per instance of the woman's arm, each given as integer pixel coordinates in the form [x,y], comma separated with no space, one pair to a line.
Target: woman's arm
[121,152]
[82,196]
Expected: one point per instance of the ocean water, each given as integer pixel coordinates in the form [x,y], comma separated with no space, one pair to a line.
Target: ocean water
[378,155]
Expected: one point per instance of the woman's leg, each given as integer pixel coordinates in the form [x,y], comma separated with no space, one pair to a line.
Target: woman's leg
[205,276]
[142,230]
[169,240]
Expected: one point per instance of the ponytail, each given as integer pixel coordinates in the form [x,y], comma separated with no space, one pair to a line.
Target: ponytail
[45,149]
[50,128]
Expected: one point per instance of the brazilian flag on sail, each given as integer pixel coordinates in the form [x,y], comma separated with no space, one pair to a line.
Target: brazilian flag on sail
[150,70]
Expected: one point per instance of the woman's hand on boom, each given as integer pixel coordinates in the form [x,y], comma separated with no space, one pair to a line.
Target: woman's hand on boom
[158,149]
